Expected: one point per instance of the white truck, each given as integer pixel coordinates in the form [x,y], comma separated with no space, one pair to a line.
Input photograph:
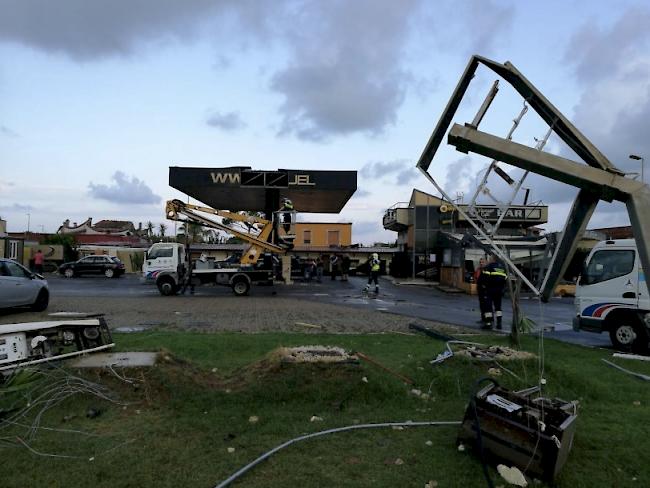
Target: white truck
[612,295]
[169,267]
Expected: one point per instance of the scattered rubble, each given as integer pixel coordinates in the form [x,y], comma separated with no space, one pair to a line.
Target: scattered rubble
[512,475]
[315,354]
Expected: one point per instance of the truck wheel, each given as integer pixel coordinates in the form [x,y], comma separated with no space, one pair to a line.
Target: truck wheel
[627,334]
[240,287]
[167,287]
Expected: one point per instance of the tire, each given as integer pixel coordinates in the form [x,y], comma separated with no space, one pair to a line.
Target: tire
[627,334]
[42,301]
[240,287]
[109,273]
[69,273]
[167,287]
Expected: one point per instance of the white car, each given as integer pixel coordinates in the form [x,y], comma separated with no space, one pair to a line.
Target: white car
[20,287]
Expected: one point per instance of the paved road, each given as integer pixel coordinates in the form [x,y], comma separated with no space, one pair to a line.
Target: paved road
[402,300]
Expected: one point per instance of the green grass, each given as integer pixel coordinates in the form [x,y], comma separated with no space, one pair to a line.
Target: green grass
[188,410]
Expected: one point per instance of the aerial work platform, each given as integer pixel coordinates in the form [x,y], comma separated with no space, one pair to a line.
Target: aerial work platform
[239,188]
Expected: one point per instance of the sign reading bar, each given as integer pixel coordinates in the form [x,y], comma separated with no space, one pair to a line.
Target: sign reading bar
[512,213]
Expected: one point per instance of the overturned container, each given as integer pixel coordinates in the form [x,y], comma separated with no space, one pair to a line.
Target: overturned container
[533,433]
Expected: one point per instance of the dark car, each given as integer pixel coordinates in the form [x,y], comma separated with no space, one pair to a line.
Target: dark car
[109,266]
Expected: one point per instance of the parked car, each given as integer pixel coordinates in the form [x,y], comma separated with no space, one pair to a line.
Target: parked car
[20,287]
[109,266]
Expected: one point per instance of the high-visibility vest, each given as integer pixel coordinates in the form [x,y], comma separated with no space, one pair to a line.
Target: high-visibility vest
[375,265]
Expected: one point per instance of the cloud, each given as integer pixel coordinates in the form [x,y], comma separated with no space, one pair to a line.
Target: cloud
[596,53]
[86,31]
[230,121]
[16,207]
[124,191]
[378,169]
[345,72]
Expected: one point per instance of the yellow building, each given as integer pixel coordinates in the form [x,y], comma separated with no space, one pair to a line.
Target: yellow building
[323,234]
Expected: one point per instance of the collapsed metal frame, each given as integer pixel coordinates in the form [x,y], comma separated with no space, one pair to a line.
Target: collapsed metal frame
[599,180]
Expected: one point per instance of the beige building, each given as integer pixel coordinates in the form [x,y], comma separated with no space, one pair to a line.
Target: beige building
[323,234]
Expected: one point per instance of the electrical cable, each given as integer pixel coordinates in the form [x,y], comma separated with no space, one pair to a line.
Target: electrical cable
[268,454]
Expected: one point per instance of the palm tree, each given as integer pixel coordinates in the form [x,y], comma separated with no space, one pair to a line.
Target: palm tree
[149,228]
[162,228]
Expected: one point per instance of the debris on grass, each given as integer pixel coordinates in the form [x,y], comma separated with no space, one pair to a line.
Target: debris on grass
[316,418]
[253,419]
[431,484]
[314,354]
[512,475]
[231,450]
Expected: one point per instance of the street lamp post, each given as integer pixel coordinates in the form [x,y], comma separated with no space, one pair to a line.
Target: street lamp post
[28,217]
[639,158]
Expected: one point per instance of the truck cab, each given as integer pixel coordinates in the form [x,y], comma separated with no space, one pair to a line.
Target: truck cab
[612,295]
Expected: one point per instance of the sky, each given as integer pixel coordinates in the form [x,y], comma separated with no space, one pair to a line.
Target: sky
[98,99]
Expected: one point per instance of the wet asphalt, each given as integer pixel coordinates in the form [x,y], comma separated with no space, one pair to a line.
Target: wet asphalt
[407,301]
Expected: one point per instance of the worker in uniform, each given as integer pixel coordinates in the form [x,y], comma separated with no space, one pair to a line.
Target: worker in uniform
[481,280]
[287,209]
[374,267]
[496,280]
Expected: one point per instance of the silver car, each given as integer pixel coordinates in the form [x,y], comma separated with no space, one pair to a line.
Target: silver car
[20,287]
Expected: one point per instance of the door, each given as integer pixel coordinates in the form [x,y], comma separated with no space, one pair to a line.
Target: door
[22,288]
[610,280]
[84,265]
[333,238]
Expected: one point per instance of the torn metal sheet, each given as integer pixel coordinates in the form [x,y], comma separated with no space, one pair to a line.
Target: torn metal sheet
[118,359]
[31,343]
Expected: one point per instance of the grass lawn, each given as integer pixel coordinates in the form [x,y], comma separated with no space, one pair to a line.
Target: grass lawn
[180,417]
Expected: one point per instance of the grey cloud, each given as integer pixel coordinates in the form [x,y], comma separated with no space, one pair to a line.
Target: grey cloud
[596,52]
[16,207]
[124,190]
[86,30]
[229,121]
[407,176]
[486,29]
[346,75]
[378,169]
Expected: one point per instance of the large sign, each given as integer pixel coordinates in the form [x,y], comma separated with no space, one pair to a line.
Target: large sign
[261,179]
[538,214]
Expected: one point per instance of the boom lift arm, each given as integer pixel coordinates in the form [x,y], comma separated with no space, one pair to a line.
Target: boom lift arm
[176,209]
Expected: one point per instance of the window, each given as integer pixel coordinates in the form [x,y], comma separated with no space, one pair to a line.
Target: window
[306,237]
[161,252]
[333,238]
[13,249]
[16,270]
[607,265]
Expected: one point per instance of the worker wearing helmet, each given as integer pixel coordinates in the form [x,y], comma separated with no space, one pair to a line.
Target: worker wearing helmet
[287,209]
[374,266]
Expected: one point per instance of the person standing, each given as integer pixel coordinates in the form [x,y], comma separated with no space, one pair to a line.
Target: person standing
[345,267]
[38,262]
[319,269]
[374,265]
[334,265]
[496,281]
[481,279]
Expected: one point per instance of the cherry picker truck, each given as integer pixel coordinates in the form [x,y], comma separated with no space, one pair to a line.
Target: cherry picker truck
[170,267]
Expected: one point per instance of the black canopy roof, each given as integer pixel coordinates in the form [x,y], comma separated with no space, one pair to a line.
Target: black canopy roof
[238,188]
